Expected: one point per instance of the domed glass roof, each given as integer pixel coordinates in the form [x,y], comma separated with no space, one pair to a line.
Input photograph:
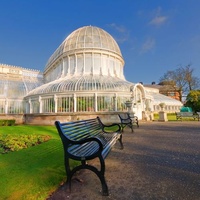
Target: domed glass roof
[87,37]
[84,83]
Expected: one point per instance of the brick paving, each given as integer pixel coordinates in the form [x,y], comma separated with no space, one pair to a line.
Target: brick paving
[160,160]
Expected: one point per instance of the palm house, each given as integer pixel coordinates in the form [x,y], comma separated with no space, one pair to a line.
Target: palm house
[15,83]
[83,78]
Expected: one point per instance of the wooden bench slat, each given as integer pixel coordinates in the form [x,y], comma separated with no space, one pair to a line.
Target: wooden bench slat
[85,150]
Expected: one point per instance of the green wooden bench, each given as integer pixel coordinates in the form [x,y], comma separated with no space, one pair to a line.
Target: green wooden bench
[181,115]
[86,140]
[128,120]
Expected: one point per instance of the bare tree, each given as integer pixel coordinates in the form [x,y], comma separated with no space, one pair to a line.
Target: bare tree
[192,81]
[183,79]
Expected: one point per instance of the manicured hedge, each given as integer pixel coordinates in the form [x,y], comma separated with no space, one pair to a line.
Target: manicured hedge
[7,122]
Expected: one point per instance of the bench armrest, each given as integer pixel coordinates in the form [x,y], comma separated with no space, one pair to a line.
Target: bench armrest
[109,128]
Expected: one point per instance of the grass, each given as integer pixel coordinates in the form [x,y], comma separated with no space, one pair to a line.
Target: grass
[172,117]
[35,172]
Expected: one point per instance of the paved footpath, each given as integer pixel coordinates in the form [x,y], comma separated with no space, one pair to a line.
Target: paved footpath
[160,160]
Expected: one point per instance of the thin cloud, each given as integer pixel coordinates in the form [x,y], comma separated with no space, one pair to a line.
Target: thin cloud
[121,33]
[120,29]
[158,19]
[148,45]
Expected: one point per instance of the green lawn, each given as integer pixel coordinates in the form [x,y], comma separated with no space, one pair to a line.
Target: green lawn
[35,172]
[172,117]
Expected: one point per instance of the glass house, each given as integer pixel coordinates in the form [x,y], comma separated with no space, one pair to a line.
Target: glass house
[84,74]
[84,77]
[15,83]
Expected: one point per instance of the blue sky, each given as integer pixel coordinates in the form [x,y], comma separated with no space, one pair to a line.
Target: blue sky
[154,35]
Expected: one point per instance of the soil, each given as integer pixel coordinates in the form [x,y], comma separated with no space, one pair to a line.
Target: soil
[160,160]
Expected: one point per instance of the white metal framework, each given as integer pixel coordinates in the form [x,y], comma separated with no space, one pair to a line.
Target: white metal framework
[15,83]
[84,74]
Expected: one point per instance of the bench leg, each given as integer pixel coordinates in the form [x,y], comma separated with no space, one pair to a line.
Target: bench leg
[131,127]
[84,165]
[69,174]
[104,187]
[120,141]
[101,176]
[122,126]
[68,183]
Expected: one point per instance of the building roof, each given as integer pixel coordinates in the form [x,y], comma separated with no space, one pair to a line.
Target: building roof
[86,38]
[16,82]
[84,83]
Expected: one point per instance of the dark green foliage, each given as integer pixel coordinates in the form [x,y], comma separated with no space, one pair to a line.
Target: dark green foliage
[10,142]
[7,122]
[193,100]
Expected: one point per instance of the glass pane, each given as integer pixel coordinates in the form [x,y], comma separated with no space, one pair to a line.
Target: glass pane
[88,63]
[72,64]
[80,63]
[97,63]
[48,105]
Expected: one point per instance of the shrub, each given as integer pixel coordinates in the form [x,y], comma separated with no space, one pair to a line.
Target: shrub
[10,142]
[7,122]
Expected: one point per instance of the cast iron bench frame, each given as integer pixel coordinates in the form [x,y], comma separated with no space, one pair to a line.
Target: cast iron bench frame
[180,115]
[86,140]
[128,120]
